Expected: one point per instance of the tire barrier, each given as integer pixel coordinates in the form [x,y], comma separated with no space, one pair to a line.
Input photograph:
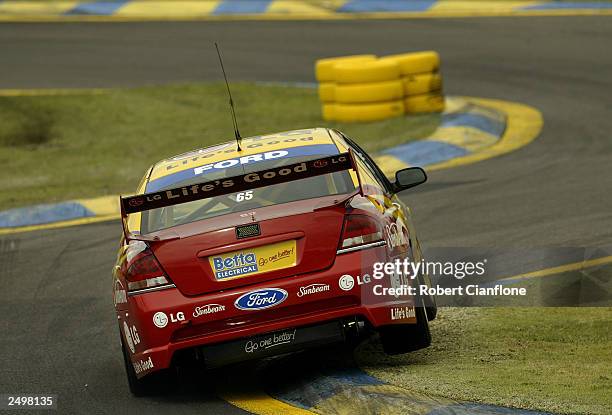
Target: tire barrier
[327,91]
[324,68]
[329,112]
[424,103]
[363,72]
[364,112]
[369,92]
[414,63]
[422,83]
[362,88]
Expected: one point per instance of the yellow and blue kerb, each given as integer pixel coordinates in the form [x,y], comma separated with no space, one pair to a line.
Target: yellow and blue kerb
[18,10]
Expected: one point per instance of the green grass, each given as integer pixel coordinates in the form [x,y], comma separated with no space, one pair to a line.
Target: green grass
[551,359]
[61,147]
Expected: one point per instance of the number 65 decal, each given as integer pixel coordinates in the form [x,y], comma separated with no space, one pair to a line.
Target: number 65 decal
[248,195]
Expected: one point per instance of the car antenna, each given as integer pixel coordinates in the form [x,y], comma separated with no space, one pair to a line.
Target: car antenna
[231,101]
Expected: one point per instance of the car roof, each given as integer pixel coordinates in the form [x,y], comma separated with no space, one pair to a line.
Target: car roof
[301,140]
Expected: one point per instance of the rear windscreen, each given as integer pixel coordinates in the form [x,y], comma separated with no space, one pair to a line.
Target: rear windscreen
[312,187]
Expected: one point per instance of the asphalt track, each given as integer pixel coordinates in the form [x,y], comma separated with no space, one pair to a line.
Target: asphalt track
[58,332]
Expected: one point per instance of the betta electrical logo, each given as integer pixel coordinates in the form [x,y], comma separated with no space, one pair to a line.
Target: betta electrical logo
[235,265]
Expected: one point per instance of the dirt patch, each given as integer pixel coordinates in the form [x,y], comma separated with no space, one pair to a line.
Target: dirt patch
[24,123]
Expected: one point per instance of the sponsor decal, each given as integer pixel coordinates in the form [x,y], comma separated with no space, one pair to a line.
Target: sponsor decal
[180,172]
[234,266]
[364,279]
[128,337]
[398,280]
[143,365]
[131,336]
[273,340]
[261,299]
[254,180]
[396,234]
[225,164]
[203,310]
[278,256]
[204,152]
[312,289]
[229,148]
[175,318]
[402,313]
[135,336]
[160,319]
[346,282]
[136,202]
[254,261]
[120,295]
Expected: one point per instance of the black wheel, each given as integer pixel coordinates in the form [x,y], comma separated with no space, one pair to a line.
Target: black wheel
[153,384]
[431,308]
[404,338]
[432,311]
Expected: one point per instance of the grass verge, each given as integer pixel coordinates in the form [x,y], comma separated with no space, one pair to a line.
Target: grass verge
[61,147]
[551,359]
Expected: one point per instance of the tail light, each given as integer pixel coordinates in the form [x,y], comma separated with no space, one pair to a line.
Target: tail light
[360,230]
[142,268]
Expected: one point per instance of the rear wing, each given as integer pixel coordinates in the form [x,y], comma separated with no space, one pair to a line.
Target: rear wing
[254,180]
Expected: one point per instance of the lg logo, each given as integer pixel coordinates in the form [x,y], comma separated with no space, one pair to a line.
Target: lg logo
[160,319]
[346,282]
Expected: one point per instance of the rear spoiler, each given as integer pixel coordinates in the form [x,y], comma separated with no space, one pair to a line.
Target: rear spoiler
[254,180]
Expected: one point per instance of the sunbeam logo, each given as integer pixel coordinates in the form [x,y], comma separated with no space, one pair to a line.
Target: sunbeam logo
[261,299]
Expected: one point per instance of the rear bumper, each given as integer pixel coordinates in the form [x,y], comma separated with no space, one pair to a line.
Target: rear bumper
[271,344]
[213,319]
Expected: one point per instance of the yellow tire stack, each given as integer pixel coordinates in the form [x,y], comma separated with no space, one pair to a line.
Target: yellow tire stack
[421,79]
[364,88]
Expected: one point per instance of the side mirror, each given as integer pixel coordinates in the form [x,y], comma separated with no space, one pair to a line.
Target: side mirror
[410,177]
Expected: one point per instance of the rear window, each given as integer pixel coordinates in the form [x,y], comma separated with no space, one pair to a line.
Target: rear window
[309,188]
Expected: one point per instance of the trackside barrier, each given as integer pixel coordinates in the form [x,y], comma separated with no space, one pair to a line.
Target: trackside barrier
[362,88]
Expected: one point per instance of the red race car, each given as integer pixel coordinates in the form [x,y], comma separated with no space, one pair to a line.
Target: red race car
[229,255]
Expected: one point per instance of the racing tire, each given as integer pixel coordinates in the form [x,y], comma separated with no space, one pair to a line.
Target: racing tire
[431,309]
[362,72]
[367,112]
[327,91]
[155,383]
[404,338]
[324,68]
[329,112]
[417,62]
[431,306]
[369,92]
[422,83]
[433,102]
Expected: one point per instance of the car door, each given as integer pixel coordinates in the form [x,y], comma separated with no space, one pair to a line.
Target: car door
[399,221]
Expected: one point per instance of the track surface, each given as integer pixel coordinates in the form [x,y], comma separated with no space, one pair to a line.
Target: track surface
[58,332]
